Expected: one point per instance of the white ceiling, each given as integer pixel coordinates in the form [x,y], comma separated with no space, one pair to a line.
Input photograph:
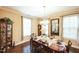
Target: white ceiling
[39,2]
[38,11]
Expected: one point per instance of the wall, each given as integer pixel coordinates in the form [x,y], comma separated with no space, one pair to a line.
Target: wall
[35,26]
[60,15]
[16,18]
[34,29]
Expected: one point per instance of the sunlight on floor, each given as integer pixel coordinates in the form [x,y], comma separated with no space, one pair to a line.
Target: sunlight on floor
[27,49]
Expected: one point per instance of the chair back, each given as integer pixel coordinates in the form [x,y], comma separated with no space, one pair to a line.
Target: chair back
[68,46]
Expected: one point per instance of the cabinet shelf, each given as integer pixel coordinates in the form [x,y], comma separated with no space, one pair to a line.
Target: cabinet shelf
[5,34]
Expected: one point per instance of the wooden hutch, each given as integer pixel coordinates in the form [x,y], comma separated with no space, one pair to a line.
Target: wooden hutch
[5,34]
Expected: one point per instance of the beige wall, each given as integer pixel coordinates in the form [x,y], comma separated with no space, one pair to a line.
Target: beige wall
[16,18]
[35,26]
[60,15]
[34,29]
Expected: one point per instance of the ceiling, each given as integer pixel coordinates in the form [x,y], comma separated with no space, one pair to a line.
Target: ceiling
[39,2]
[39,11]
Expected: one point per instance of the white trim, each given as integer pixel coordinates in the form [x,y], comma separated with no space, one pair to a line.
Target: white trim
[21,42]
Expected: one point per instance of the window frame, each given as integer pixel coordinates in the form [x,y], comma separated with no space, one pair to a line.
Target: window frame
[76,29]
[23,25]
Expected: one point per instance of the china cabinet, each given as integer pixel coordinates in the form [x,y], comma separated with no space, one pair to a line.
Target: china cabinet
[6,26]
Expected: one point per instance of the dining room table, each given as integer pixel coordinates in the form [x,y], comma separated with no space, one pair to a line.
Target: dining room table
[51,45]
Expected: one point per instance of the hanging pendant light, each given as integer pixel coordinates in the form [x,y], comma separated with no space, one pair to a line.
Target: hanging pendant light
[45,19]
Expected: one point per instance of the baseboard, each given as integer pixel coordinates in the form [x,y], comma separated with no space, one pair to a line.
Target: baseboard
[21,42]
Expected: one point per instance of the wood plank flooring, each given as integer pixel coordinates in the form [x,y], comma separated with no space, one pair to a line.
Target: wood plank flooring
[22,48]
[25,48]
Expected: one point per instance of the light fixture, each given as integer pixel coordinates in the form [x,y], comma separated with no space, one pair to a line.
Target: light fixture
[45,19]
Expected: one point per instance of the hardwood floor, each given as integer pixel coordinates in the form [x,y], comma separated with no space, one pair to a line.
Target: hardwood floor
[25,48]
[74,50]
[22,48]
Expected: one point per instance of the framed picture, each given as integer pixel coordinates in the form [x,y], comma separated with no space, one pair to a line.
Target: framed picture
[55,26]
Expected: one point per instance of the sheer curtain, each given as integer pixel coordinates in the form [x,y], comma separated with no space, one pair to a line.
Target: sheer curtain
[70,26]
[26,26]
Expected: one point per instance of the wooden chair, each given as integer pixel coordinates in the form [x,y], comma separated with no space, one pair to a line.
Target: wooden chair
[68,46]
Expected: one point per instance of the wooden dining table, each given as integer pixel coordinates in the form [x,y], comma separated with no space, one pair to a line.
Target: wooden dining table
[52,48]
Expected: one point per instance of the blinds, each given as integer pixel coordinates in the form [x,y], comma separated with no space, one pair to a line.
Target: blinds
[70,26]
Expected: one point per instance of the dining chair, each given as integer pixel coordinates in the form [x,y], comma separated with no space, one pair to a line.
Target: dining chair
[68,46]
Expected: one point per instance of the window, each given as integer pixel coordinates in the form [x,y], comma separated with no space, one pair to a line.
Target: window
[26,26]
[70,26]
